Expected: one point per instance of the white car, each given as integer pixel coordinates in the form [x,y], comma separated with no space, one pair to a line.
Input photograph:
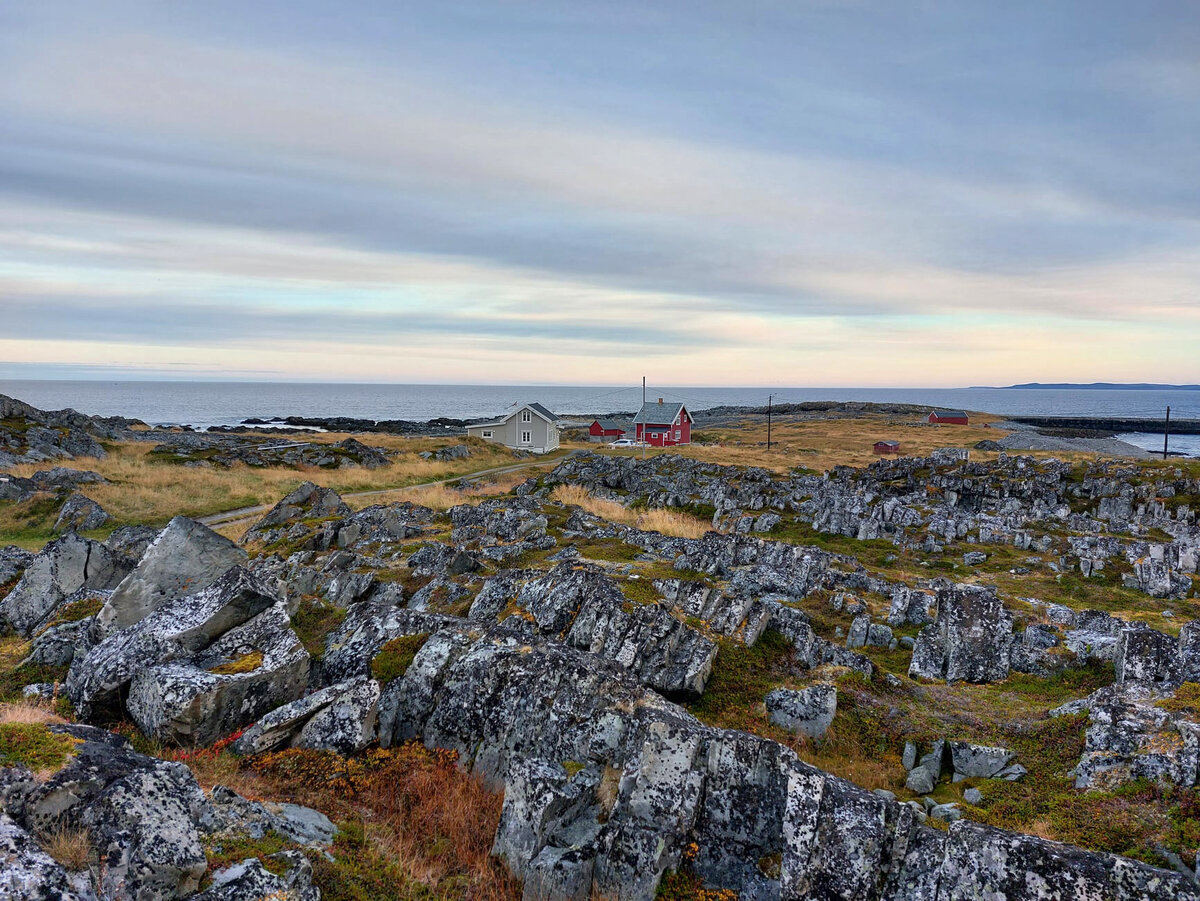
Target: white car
[623,442]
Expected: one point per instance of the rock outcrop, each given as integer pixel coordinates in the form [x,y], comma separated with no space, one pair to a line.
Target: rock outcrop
[185,557]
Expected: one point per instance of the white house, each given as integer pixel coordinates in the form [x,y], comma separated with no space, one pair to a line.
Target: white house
[529,427]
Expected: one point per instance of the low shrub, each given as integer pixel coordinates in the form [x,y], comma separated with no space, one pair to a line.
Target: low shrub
[395,657]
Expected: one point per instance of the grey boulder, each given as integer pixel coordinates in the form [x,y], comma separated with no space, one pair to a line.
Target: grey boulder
[338,718]
[80,514]
[809,711]
[65,566]
[185,557]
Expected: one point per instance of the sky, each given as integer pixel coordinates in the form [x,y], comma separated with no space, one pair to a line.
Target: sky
[800,193]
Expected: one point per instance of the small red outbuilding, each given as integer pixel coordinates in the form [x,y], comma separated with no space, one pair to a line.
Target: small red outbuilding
[605,430]
[949,417]
[887,447]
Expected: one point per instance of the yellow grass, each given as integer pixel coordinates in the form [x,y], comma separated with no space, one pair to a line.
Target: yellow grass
[70,847]
[824,443]
[27,713]
[668,522]
[443,496]
[143,490]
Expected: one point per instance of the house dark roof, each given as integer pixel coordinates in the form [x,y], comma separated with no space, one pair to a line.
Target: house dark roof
[889,443]
[657,414]
[543,411]
[950,414]
[611,425]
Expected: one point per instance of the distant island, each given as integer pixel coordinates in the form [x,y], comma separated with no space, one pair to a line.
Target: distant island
[1098,386]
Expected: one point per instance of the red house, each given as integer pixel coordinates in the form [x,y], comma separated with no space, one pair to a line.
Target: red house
[887,447]
[606,430]
[949,417]
[663,425]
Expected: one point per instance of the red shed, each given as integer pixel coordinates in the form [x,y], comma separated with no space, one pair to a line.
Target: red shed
[887,447]
[663,425]
[606,430]
[949,417]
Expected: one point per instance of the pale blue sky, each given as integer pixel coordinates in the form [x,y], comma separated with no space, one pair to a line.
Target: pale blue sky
[825,193]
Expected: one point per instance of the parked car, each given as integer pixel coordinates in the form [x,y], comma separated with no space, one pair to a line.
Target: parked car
[623,442]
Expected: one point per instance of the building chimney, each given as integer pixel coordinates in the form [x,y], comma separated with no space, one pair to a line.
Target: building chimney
[660,401]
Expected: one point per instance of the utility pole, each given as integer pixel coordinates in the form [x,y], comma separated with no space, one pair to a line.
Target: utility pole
[769,399]
[1166,431]
[639,413]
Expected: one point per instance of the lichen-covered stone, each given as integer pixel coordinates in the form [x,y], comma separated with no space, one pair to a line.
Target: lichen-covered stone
[185,557]
[338,718]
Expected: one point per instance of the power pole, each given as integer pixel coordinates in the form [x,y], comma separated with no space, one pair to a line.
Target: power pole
[639,413]
[1166,431]
[769,398]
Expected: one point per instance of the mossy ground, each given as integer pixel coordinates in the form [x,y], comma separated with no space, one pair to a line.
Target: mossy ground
[396,656]
[33,745]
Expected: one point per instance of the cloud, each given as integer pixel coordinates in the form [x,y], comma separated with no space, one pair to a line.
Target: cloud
[746,190]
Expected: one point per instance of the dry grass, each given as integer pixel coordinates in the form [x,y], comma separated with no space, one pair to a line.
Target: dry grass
[668,522]
[821,444]
[421,820]
[70,847]
[149,491]
[442,496]
[28,712]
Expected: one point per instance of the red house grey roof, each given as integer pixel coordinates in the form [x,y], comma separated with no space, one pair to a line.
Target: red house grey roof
[658,414]
[611,425]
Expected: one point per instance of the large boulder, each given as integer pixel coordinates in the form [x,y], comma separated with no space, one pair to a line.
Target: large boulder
[308,502]
[251,669]
[970,641]
[140,814]
[809,711]
[80,513]
[338,718]
[65,567]
[179,630]
[185,557]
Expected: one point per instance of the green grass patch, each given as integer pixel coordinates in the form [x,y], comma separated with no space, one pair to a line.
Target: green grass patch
[395,657]
[313,622]
[226,850]
[611,550]
[741,678]
[33,745]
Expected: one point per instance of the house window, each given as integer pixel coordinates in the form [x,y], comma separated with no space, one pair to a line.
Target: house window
[677,433]
[527,438]
[487,433]
[526,416]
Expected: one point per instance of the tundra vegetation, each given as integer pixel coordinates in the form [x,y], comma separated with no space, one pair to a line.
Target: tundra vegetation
[604,675]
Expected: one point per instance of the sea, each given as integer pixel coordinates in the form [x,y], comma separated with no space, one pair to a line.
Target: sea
[203,404]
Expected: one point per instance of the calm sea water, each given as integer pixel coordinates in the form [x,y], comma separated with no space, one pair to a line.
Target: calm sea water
[202,404]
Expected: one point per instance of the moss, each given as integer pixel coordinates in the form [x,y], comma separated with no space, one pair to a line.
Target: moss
[395,657]
[740,680]
[640,591]
[74,612]
[609,549]
[226,850]
[313,621]
[572,767]
[1186,701]
[358,872]
[247,663]
[35,746]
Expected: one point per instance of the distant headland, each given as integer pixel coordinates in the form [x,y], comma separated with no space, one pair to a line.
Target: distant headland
[1098,386]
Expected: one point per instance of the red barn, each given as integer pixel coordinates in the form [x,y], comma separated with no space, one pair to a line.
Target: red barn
[949,417]
[887,447]
[663,425]
[606,430]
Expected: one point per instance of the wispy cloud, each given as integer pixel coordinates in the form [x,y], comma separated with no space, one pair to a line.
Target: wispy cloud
[546,187]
